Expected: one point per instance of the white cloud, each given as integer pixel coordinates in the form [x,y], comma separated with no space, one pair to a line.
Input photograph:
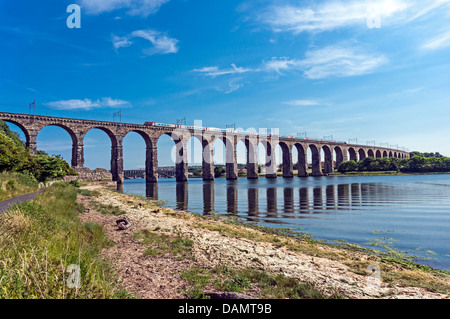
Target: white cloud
[214,71]
[302,102]
[337,14]
[161,44]
[330,15]
[87,104]
[134,7]
[439,42]
[332,61]
[340,61]
[280,64]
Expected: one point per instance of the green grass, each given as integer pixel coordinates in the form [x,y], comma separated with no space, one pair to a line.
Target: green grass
[38,242]
[268,286]
[160,243]
[106,209]
[16,184]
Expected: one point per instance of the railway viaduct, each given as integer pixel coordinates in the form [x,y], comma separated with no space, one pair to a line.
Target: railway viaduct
[77,129]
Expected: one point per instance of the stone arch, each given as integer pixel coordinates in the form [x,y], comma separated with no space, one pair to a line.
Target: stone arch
[370,153]
[181,164]
[339,156]
[385,154]
[352,154]
[361,154]
[25,132]
[378,154]
[151,156]
[116,162]
[77,146]
[390,153]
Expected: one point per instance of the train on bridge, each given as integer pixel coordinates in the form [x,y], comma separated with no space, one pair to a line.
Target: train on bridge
[229,130]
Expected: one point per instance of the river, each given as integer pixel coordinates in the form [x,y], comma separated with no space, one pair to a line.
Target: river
[409,212]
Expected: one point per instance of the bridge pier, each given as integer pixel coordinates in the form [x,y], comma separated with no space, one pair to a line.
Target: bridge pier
[252,161]
[151,165]
[288,168]
[78,155]
[32,142]
[181,163]
[208,161]
[302,163]
[117,163]
[231,159]
[271,165]
[316,161]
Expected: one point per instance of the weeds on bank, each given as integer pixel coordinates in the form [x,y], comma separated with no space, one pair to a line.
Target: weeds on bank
[15,184]
[107,209]
[259,283]
[160,243]
[38,242]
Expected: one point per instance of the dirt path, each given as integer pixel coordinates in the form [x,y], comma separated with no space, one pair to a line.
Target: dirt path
[155,277]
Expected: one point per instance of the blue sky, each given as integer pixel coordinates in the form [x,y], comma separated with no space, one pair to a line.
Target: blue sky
[372,70]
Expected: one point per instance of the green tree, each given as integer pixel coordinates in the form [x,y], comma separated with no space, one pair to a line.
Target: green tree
[219,171]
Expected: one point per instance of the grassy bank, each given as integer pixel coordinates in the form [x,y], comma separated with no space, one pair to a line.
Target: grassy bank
[39,240]
[15,184]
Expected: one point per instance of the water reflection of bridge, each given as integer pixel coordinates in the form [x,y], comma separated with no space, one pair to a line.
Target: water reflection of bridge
[281,202]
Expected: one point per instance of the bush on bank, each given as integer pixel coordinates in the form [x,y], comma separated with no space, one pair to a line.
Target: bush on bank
[15,157]
[415,164]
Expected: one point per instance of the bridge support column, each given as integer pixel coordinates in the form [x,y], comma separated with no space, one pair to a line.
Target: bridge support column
[328,163]
[302,163]
[208,162]
[78,155]
[181,161]
[231,157]
[271,165]
[117,162]
[32,142]
[252,162]
[316,161]
[151,165]
[288,169]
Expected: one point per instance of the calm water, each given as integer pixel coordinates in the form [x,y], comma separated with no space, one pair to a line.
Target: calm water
[411,211]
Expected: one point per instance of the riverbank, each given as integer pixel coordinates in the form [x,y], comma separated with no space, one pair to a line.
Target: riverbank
[172,254]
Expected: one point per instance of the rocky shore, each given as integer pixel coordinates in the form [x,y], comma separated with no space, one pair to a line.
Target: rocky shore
[215,243]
